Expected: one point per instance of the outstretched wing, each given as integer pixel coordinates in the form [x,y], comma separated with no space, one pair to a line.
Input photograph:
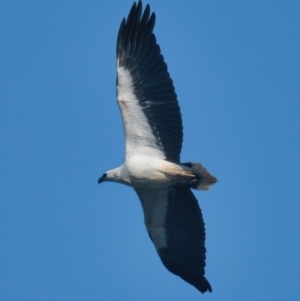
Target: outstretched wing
[145,91]
[175,225]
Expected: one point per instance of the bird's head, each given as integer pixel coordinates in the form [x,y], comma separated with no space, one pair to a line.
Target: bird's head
[112,175]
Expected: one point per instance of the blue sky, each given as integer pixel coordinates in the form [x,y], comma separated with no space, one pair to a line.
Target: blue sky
[235,66]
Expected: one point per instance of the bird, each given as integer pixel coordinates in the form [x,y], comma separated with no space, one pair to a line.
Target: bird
[153,140]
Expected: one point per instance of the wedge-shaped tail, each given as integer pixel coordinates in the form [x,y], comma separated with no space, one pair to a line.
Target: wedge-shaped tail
[203,179]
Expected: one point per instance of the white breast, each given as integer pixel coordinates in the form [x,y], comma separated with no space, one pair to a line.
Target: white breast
[151,173]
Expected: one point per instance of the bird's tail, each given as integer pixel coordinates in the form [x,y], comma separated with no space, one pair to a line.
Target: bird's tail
[203,179]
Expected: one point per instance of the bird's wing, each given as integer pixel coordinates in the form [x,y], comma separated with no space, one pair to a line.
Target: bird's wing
[175,225]
[145,91]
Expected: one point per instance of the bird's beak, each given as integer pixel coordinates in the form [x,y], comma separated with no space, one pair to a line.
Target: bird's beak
[101,179]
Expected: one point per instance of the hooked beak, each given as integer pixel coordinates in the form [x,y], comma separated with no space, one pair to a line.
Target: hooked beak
[102,178]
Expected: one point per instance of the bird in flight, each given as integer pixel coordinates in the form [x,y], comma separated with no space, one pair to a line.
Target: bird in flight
[153,134]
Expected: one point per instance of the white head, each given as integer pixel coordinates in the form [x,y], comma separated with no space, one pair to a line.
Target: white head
[110,175]
[113,175]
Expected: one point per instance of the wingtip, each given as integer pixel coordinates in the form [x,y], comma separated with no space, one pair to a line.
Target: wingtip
[202,285]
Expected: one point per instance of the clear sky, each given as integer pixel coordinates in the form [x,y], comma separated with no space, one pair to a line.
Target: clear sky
[236,69]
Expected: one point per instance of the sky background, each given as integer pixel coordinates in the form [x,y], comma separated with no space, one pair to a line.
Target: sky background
[236,69]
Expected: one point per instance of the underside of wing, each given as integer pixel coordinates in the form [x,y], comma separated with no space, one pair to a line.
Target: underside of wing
[146,95]
[175,225]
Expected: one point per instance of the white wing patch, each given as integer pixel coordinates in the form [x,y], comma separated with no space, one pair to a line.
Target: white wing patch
[138,133]
[155,205]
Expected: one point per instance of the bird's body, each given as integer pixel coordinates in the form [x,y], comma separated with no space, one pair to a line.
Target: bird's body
[153,134]
[151,173]
[147,172]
